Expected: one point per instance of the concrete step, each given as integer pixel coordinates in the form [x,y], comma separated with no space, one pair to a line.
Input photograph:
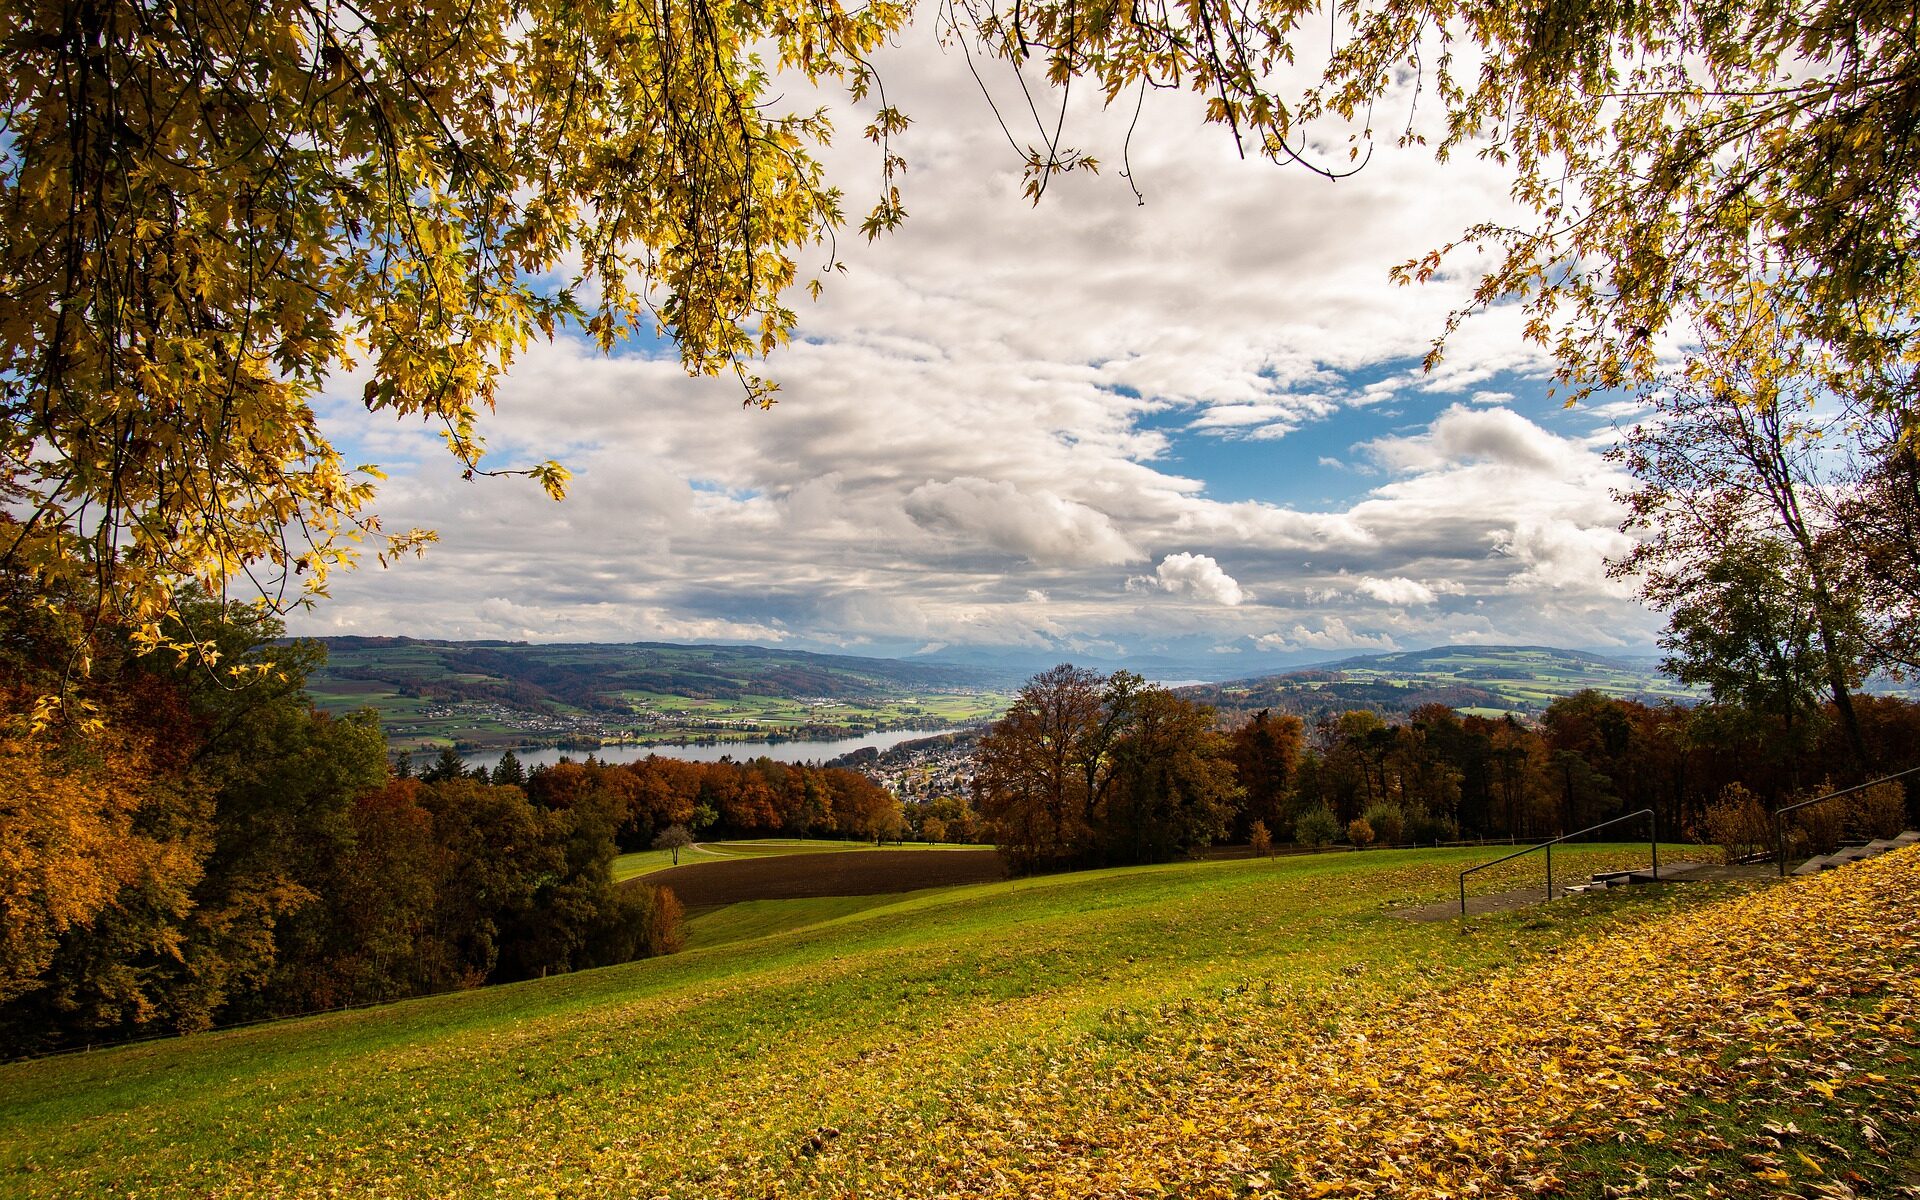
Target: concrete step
[1856,852]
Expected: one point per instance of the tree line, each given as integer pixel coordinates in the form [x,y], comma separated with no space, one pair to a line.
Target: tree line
[1087,770]
[756,797]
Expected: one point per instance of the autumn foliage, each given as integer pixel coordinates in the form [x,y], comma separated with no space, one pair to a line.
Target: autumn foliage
[1087,770]
[176,852]
[753,798]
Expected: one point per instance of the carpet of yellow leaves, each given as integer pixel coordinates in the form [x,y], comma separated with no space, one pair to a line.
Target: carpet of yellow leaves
[1787,995]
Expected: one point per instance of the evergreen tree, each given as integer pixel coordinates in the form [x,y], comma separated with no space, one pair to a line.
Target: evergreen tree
[509,773]
[447,767]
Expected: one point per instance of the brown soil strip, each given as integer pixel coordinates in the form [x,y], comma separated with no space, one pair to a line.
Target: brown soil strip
[792,876]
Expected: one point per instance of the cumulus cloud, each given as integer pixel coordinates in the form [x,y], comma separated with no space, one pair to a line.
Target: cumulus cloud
[1196,576]
[1037,526]
[1497,436]
[1399,590]
[1333,634]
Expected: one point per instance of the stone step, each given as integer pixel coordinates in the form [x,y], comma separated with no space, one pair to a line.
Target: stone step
[1855,852]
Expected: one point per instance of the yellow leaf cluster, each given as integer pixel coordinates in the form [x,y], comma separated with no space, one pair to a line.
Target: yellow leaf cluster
[214,211]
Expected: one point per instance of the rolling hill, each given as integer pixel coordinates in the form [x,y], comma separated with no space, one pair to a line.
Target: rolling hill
[478,695]
[1484,679]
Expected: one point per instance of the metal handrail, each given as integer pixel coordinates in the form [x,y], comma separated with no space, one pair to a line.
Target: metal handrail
[1780,826]
[1653,843]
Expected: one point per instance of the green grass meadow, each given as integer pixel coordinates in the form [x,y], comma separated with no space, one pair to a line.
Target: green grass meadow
[784,1016]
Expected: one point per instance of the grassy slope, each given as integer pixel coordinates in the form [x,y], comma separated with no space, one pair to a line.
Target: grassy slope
[751,919]
[704,1074]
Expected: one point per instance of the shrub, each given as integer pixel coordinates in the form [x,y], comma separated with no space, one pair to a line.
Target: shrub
[1821,828]
[1388,821]
[1881,811]
[1317,827]
[1738,823]
[666,922]
[1424,828]
[1359,832]
[1260,841]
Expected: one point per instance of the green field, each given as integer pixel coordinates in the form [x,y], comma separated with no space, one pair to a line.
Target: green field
[1088,1034]
[1527,678]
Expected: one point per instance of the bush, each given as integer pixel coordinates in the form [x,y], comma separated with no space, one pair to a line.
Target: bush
[1260,841]
[1388,822]
[1317,827]
[1359,832]
[1424,828]
[667,927]
[1881,811]
[1738,823]
[1821,828]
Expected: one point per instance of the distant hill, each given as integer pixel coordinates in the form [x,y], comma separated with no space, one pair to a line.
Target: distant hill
[590,675]
[1486,679]
[477,695]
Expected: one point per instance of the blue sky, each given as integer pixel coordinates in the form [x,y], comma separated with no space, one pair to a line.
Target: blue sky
[1086,428]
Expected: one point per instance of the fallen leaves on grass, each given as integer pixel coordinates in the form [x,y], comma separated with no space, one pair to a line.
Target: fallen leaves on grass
[1785,994]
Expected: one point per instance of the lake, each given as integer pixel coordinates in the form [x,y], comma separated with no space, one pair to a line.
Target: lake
[796,751]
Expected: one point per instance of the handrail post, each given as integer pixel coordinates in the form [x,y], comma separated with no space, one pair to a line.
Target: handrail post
[1654,843]
[1549,870]
[1463,896]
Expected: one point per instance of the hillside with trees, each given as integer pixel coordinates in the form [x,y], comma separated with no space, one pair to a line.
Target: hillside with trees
[197,853]
[489,695]
[1490,679]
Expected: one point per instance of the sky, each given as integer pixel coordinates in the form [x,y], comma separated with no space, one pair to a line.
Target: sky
[1093,429]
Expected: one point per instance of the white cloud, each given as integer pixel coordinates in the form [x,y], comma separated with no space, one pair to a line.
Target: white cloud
[1498,436]
[995,413]
[1196,576]
[1038,526]
[1399,590]
[1333,634]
